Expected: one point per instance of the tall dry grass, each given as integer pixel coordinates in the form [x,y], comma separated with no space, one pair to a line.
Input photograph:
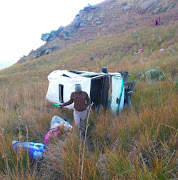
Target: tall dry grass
[140,143]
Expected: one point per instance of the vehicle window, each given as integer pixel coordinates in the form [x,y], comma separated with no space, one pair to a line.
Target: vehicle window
[61,93]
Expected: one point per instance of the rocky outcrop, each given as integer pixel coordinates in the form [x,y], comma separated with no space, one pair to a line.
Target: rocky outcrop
[77,21]
[148,4]
[22,59]
[126,8]
[88,13]
[97,22]
[156,10]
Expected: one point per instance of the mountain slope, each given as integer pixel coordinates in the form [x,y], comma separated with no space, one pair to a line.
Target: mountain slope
[140,143]
[109,17]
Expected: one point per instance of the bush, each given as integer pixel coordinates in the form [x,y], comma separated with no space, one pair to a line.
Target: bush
[53,33]
[53,48]
[42,51]
[45,37]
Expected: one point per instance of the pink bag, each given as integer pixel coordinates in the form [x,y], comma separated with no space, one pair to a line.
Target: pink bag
[140,50]
[50,135]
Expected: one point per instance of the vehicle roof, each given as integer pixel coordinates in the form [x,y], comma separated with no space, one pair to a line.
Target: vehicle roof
[77,74]
[91,74]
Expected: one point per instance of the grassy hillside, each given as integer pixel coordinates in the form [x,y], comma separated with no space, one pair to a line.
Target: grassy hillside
[141,143]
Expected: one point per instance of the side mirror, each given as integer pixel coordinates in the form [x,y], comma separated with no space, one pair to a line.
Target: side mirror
[117,100]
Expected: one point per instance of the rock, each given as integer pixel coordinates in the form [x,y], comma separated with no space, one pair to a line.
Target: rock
[112,7]
[102,15]
[65,34]
[126,8]
[36,56]
[98,22]
[82,24]
[134,53]
[48,51]
[32,51]
[23,58]
[98,19]
[88,12]
[90,17]
[81,13]
[76,22]
[59,30]
[171,7]
[135,32]
[156,10]
[148,4]
[118,6]
[124,4]
[109,137]
[89,8]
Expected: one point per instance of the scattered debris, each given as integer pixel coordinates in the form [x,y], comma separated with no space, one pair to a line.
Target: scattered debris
[54,132]
[35,150]
[140,50]
[61,122]
[57,125]
[134,53]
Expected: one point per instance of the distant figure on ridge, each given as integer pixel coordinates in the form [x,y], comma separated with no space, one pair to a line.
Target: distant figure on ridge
[157,22]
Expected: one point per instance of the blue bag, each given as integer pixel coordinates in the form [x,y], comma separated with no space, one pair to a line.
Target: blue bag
[35,150]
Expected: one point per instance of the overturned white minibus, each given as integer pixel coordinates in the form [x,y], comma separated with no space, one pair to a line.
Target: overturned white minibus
[109,90]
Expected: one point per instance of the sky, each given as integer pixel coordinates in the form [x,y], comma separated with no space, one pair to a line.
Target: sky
[23,21]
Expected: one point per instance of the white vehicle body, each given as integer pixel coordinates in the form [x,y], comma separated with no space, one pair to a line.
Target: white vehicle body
[104,89]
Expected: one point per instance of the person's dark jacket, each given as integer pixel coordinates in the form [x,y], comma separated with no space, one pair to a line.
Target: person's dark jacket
[80,99]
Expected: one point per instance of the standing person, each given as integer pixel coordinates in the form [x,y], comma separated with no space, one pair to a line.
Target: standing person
[155,24]
[81,102]
[159,21]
